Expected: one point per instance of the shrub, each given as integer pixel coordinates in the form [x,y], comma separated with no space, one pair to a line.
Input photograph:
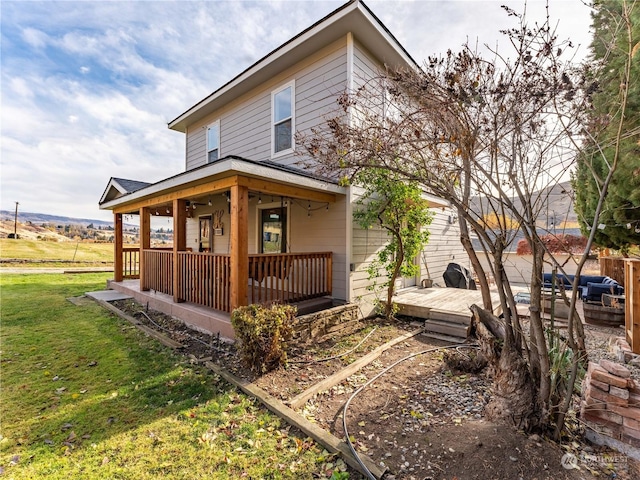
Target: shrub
[561,243]
[263,333]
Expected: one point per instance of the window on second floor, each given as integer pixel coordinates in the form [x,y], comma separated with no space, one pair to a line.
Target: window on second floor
[283,118]
[213,142]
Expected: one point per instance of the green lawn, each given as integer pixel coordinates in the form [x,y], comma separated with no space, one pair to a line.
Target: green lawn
[34,250]
[86,395]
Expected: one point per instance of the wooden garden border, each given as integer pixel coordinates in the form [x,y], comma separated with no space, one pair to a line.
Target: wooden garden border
[318,434]
[301,398]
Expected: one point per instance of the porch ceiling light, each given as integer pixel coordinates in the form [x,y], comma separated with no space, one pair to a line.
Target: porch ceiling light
[209,202]
[259,198]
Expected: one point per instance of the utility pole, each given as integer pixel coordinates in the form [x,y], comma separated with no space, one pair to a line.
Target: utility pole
[15,222]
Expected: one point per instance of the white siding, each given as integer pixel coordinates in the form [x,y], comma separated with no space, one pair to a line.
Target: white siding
[365,244]
[443,248]
[323,231]
[245,124]
[365,67]
[220,242]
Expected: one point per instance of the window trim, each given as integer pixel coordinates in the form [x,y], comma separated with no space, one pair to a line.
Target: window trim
[272,121]
[209,126]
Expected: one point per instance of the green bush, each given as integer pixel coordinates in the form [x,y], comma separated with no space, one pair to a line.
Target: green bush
[262,333]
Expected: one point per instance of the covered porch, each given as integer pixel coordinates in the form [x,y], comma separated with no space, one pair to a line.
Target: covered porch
[222,267]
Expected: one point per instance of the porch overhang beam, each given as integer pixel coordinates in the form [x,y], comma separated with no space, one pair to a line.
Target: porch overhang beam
[170,196]
[284,190]
[254,184]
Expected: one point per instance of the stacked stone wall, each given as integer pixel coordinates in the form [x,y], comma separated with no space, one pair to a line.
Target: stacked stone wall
[611,400]
[336,321]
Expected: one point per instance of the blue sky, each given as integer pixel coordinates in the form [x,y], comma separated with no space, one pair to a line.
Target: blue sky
[89,86]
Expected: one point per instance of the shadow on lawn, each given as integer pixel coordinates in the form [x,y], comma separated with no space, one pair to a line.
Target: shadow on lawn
[77,420]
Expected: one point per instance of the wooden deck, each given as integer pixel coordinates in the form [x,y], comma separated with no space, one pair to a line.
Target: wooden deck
[445,310]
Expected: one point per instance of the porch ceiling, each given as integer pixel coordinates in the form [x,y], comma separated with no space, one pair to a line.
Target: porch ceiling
[259,177]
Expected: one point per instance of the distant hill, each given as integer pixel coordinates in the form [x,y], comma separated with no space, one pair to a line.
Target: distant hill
[557,207]
[40,218]
[557,215]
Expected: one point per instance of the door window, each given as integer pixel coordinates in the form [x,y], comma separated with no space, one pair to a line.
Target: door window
[273,230]
[205,234]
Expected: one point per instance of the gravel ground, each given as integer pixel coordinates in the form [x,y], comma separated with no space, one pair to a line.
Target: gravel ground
[422,420]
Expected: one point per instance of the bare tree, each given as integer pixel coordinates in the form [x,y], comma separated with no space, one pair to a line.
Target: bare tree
[498,129]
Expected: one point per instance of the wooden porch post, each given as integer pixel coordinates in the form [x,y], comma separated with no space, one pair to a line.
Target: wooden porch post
[179,244]
[239,253]
[145,241]
[117,247]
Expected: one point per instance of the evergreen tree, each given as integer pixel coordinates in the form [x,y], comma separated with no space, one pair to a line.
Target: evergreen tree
[613,45]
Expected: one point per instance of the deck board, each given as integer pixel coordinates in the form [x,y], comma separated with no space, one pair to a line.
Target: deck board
[447,304]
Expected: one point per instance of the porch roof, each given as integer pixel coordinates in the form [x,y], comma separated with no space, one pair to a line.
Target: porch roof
[269,172]
[121,186]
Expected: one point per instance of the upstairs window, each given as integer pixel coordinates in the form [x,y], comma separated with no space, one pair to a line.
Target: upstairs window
[282,105]
[213,142]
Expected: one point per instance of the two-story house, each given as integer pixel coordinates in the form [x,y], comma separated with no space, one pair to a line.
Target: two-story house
[249,225]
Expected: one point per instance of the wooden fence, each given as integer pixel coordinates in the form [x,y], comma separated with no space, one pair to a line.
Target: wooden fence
[632,303]
[613,267]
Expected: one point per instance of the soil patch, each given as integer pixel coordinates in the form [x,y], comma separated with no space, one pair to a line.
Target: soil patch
[421,420]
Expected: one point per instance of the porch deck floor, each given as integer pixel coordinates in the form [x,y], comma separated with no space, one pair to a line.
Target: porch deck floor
[199,317]
[436,302]
[452,304]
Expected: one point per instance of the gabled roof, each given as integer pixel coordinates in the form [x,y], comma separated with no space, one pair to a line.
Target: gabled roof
[117,187]
[354,17]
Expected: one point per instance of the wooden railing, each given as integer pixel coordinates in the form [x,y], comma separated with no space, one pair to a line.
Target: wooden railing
[130,263]
[289,277]
[158,271]
[204,278]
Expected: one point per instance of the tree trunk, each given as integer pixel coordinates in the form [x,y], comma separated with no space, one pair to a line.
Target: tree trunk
[465,239]
[515,395]
[388,309]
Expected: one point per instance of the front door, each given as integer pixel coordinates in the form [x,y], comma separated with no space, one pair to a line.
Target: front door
[273,230]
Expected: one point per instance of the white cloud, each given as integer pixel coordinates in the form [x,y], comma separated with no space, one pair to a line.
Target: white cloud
[90,86]
[34,37]
[20,87]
